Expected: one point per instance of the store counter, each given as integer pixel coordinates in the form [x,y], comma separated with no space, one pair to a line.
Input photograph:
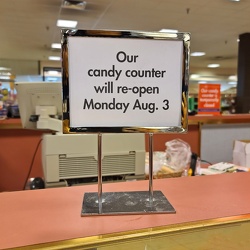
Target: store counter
[219,119]
[212,212]
[192,120]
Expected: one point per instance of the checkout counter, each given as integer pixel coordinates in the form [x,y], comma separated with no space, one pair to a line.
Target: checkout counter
[212,212]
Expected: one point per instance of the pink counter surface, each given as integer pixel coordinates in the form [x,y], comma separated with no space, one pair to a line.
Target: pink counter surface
[42,216]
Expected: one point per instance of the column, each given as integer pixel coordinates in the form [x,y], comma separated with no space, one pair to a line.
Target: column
[243,86]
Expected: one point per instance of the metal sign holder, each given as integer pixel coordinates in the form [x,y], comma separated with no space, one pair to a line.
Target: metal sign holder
[135,202]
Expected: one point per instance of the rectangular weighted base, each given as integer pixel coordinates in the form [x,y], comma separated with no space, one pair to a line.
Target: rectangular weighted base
[136,202]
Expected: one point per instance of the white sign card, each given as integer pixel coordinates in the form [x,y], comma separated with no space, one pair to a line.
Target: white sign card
[121,82]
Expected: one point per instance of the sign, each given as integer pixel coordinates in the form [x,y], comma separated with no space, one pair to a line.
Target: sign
[209,99]
[122,82]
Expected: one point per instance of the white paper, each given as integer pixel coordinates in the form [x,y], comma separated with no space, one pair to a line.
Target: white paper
[105,89]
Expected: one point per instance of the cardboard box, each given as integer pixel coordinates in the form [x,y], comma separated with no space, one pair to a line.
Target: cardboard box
[241,153]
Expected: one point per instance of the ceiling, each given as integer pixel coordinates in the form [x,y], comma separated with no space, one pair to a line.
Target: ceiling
[28,27]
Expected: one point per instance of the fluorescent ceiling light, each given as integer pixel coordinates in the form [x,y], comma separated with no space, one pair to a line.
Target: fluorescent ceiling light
[53,72]
[194,76]
[4,77]
[54,58]
[56,46]
[5,74]
[213,65]
[168,31]
[232,78]
[232,83]
[198,54]
[4,68]
[66,23]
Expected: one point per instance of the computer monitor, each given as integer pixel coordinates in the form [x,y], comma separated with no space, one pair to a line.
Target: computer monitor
[40,105]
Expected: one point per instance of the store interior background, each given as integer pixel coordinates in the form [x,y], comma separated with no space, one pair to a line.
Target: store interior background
[29,28]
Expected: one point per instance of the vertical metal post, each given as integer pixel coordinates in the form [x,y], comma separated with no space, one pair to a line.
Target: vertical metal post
[99,163]
[150,167]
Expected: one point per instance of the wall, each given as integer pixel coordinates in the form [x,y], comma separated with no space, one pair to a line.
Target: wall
[191,137]
[18,148]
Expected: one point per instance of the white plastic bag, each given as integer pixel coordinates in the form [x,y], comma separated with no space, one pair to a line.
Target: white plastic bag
[178,154]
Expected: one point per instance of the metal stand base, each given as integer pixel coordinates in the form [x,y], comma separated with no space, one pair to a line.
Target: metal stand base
[137,202]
